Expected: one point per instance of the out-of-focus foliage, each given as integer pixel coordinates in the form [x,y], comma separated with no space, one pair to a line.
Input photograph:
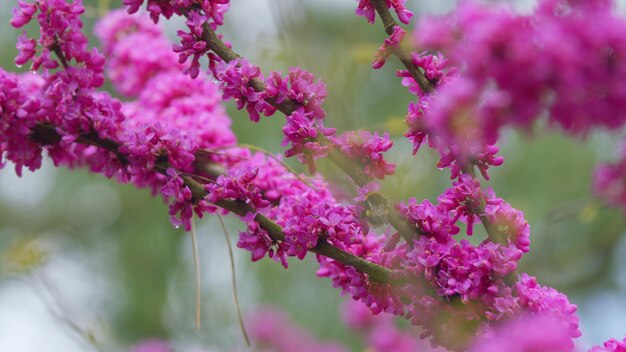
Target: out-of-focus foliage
[121,268]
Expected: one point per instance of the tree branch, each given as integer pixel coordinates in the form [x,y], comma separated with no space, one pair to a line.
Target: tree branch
[46,135]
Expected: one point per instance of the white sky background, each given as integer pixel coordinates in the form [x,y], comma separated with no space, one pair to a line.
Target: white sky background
[26,324]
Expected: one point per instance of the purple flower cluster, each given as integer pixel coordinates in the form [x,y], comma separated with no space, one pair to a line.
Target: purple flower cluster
[136,140]
[192,44]
[435,68]
[128,68]
[16,107]
[546,301]
[258,242]
[213,10]
[304,132]
[198,14]
[476,275]
[181,209]
[367,149]
[568,51]
[237,185]
[60,32]
[368,10]
[444,120]
[176,130]
[235,81]
[298,86]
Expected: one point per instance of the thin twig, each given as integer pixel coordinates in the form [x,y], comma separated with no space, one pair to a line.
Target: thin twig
[196,263]
[57,309]
[234,280]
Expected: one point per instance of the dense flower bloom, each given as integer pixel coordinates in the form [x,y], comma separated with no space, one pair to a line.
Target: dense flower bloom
[304,134]
[546,301]
[176,131]
[429,219]
[298,86]
[128,68]
[367,149]
[237,185]
[578,79]
[235,78]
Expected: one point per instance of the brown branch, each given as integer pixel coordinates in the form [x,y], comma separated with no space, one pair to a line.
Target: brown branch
[47,135]
[59,53]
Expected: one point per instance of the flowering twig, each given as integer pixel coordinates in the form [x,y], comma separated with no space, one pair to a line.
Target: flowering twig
[288,107]
[389,23]
[47,134]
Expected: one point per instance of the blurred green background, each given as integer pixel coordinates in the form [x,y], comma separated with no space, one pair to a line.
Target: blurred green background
[84,259]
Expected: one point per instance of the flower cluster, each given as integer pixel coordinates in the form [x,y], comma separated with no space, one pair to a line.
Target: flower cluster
[474,274]
[367,149]
[214,10]
[60,33]
[192,44]
[127,68]
[578,79]
[199,14]
[258,242]
[235,81]
[237,185]
[63,113]
[368,10]
[16,105]
[305,134]
[298,86]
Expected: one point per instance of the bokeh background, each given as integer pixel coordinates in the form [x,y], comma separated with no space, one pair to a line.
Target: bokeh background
[88,264]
